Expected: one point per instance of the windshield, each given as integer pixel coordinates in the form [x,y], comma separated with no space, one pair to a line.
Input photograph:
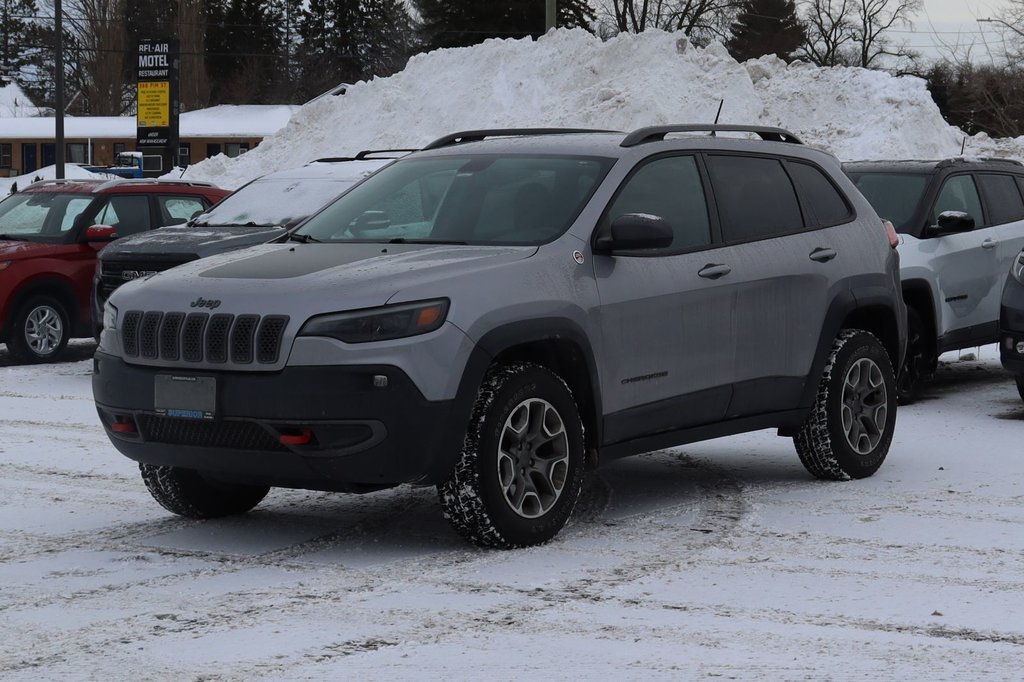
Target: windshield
[270,201]
[42,216]
[478,199]
[894,196]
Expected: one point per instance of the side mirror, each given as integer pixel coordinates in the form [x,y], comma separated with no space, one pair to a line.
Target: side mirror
[952,222]
[100,233]
[371,220]
[636,231]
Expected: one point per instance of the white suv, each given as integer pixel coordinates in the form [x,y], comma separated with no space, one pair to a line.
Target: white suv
[961,224]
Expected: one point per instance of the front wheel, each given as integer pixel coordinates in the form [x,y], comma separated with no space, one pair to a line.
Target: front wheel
[188,493]
[39,330]
[521,468]
[850,428]
[1020,385]
[919,363]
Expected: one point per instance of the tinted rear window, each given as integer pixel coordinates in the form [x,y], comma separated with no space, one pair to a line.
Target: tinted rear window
[1004,201]
[755,196]
[826,203]
[894,196]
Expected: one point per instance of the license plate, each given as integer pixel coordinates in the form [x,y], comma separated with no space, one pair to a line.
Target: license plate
[185,397]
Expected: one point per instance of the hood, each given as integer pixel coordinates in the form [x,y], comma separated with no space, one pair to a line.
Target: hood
[301,280]
[17,250]
[199,242]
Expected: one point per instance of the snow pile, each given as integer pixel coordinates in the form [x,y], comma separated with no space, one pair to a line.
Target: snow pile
[71,170]
[571,78]
[14,103]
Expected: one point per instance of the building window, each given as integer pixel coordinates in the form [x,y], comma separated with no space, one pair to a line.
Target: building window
[233,149]
[77,152]
[5,155]
[118,148]
[184,154]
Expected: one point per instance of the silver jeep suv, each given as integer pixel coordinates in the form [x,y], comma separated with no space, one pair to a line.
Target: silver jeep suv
[493,313]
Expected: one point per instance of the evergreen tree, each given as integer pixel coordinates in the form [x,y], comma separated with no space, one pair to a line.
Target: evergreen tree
[19,49]
[332,34]
[245,50]
[766,27]
[458,23]
[387,37]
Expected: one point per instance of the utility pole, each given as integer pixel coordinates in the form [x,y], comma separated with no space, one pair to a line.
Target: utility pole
[550,15]
[59,85]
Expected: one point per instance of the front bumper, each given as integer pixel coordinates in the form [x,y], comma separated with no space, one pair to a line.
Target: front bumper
[1011,326]
[351,428]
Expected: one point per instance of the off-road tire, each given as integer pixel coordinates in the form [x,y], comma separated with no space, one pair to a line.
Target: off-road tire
[39,330]
[473,497]
[188,493]
[919,362]
[823,442]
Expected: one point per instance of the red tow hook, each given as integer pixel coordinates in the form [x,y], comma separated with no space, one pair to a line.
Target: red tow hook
[123,425]
[303,437]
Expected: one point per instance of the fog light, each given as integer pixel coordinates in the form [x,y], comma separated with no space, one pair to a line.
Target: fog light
[1020,346]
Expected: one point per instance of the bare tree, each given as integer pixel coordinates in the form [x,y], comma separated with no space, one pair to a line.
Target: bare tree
[871,20]
[191,32]
[829,28]
[101,40]
[702,20]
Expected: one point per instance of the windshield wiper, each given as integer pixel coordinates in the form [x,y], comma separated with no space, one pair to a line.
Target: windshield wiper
[13,237]
[303,238]
[404,240]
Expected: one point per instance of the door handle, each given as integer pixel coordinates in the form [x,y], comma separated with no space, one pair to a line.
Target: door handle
[989,243]
[823,255]
[714,271]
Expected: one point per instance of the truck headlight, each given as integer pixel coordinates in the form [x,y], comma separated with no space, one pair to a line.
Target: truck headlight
[1017,269]
[379,324]
[109,316]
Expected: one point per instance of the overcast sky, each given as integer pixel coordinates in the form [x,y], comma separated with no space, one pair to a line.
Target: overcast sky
[947,23]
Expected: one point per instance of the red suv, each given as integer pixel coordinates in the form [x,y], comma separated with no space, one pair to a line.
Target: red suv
[50,233]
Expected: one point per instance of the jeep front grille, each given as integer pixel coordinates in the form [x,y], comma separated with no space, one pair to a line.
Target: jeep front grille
[201,337]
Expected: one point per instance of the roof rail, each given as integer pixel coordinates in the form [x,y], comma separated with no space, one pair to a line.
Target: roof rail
[655,133]
[945,163]
[364,155]
[63,181]
[477,135]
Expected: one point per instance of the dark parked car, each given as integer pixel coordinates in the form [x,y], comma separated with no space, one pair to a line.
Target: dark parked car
[1011,323]
[258,212]
[50,233]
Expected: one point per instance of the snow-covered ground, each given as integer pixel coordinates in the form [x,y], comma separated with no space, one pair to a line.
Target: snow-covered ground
[718,559]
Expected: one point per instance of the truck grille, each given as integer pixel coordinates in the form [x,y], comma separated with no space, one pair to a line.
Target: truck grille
[239,435]
[201,337]
[115,273]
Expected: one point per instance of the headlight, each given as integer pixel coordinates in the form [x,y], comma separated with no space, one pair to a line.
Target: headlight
[109,316]
[1017,269]
[4,264]
[379,324]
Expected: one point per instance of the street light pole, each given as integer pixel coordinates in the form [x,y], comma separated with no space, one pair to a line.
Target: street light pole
[1000,21]
[59,86]
[550,15]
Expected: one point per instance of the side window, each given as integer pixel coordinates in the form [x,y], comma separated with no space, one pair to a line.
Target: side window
[129,213]
[1002,197]
[959,194]
[72,211]
[821,196]
[177,210]
[670,188]
[756,198]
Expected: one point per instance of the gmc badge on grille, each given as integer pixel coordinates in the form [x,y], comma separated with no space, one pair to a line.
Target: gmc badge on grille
[205,303]
[129,275]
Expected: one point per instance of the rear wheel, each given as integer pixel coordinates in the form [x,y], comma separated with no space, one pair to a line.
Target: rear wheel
[849,431]
[1020,385]
[39,330]
[521,468]
[188,493]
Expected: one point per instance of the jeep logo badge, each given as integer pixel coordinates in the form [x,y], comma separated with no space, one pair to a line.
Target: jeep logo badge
[205,303]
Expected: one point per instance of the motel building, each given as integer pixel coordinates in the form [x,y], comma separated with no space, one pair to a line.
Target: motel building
[27,139]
